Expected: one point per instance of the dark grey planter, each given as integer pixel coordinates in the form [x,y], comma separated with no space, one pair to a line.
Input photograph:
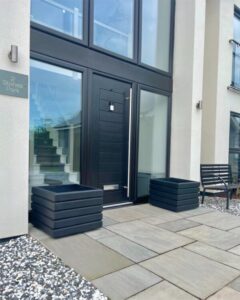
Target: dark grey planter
[174,194]
[66,209]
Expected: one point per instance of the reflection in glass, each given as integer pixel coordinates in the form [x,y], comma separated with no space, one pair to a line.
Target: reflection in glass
[236,53]
[234,155]
[113,26]
[55,124]
[62,15]
[152,139]
[156,20]
[234,161]
[235,132]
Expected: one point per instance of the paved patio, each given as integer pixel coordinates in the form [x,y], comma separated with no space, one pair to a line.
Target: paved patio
[144,252]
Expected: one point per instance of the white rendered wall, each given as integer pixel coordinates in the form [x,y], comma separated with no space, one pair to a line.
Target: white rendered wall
[14,122]
[218,101]
[187,88]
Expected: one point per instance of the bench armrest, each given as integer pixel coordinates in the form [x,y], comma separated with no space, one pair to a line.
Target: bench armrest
[223,181]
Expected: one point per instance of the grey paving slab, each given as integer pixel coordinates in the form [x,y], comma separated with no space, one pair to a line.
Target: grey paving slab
[37,234]
[235,250]
[127,248]
[154,238]
[99,233]
[163,291]
[124,214]
[216,254]
[162,218]
[178,225]
[220,220]
[221,239]
[151,210]
[190,271]
[226,294]
[127,282]
[108,221]
[88,257]
[194,212]
[235,284]
[236,230]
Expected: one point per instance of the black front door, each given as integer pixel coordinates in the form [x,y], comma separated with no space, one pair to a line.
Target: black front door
[109,135]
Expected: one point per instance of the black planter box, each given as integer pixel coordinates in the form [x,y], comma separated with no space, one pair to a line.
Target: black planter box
[174,194]
[66,209]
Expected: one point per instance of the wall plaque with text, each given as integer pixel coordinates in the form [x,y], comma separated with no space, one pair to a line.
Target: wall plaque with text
[13,84]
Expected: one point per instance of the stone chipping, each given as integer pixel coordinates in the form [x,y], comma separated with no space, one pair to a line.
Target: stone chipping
[219,203]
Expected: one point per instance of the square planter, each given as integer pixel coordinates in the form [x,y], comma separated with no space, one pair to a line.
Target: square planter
[66,209]
[174,194]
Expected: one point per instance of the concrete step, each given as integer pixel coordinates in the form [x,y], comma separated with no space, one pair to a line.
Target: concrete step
[52,158]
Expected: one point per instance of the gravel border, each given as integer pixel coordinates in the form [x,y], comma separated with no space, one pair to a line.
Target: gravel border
[219,204]
[30,271]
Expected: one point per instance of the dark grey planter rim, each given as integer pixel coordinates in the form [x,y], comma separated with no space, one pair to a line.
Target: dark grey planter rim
[175,182]
[66,192]
[51,188]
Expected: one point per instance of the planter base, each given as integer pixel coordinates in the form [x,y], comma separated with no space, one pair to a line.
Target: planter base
[176,208]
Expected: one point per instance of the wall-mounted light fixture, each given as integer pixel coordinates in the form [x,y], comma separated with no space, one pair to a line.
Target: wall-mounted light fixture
[13,54]
[199,105]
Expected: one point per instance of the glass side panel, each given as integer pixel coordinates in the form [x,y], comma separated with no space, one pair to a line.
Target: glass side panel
[113,26]
[234,144]
[55,124]
[62,15]
[234,161]
[235,132]
[156,23]
[152,139]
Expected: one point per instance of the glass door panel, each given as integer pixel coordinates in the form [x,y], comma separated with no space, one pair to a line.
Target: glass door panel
[152,150]
[55,124]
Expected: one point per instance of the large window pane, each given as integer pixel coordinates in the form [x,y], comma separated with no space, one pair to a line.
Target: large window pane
[152,139]
[55,124]
[235,132]
[236,54]
[156,19]
[113,26]
[62,15]
[234,161]
[234,155]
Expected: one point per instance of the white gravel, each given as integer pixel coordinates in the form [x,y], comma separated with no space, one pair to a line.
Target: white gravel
[29,271]
[219,203]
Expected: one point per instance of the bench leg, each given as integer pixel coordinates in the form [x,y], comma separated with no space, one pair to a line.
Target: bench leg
[228,199]
[203,195]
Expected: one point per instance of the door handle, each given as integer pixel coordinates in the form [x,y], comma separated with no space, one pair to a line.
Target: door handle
[129,143]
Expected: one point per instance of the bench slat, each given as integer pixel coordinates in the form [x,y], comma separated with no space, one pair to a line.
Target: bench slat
[211,172]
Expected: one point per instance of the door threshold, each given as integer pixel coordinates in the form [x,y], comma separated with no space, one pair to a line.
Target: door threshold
[117,204]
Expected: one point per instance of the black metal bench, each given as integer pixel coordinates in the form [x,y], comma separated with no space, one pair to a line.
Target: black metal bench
[217,179]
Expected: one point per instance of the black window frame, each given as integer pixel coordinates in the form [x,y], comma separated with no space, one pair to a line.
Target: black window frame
[143,87]
[171,41]
[134,59]
[50,46]
[88,36]
[62,35]
[83,101]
